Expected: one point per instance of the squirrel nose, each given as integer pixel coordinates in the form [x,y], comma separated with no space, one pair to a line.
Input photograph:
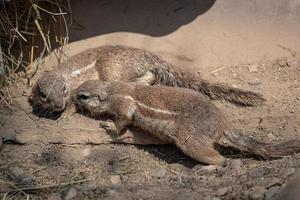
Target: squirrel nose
[59,105]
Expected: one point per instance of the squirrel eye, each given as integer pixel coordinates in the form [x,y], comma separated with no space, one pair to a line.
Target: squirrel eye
[83,96]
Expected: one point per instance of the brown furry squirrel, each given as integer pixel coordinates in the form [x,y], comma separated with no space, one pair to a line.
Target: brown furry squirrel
[174,115]
[120,63]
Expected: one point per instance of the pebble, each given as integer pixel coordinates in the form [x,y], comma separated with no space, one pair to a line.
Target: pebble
[223,191]
[281,62]
[55,196]
[274,182]
[288,172]
[256,172]
[255,81]
[257,193]
[20,175]
[9,135]
[291,191]
[234,74]
[271,192]
[17,172]
[234,85]
[292,62]
[71,194]
[88,187]
[236,164]
[207,168]
[253,68]
[112,192]
[178,167]
[212,198]
[160,173]
[115,179]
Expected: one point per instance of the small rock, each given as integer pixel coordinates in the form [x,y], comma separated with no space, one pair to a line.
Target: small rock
[9,135]
[288,172]
[207,168]
[212,198]
[17,172]
[254,82]
[236,164]
[292,62]
[223,191]
[55,196]
[291,191]
[257,193]
[291,110]
[87,187]
[274,182]
[70,194]
[281,62]
[234,74]
[234,85]
[86,152]
[111,192]
[20,176]
[160,173]
[253,68]
[271,192]
[115,179]
[256,172]
[178,167]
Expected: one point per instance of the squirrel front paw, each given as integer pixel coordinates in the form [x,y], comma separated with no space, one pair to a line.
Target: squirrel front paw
[109,126]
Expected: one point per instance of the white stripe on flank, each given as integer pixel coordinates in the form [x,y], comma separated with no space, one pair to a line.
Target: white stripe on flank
[150,108]
[84,69]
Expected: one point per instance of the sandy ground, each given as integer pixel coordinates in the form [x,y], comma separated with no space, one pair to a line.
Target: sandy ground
[70,158]
[48,157]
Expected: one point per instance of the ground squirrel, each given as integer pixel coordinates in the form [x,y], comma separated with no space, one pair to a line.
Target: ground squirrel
[174,115]
[120,63]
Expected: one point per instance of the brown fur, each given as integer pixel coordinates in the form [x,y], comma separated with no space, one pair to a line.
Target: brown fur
[179,116]
[120,63]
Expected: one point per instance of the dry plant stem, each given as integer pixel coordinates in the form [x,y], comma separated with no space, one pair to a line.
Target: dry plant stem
[9,96]
[51,186]
[42,34]
[2,99]
[20,24]
[41,168]
[36,6]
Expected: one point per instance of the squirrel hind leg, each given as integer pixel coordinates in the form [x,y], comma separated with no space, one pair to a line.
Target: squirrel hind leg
[147,79]
[203,152]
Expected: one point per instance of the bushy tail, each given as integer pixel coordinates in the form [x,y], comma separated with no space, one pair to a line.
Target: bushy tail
[168,75]
[263,150]
[230,94]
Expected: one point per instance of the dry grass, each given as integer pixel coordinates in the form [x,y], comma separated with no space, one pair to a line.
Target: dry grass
[29,30]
